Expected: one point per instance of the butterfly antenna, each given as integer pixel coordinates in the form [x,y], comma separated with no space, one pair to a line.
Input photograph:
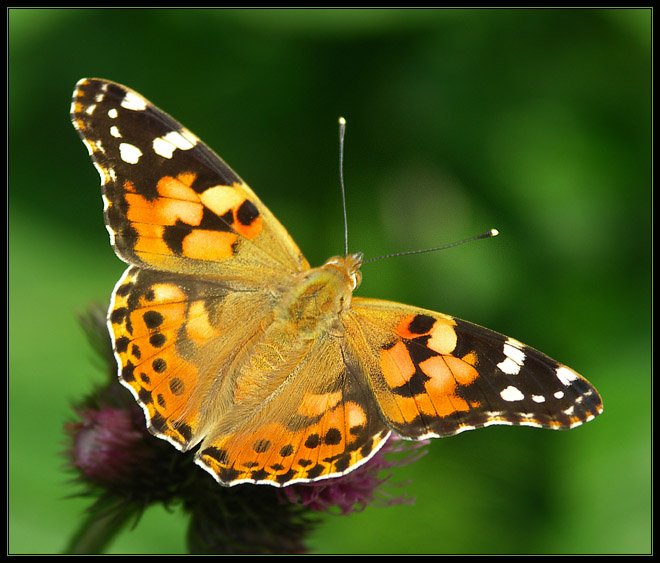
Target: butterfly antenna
[487,234]
[342,132]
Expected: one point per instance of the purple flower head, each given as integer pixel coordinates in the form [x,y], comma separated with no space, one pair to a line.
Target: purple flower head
[108,447]
[362,486]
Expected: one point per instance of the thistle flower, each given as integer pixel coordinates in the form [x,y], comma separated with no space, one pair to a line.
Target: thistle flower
[124,469]
[106,446]
[361,487]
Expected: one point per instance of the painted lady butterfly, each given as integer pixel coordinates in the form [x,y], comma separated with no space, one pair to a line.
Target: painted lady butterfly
[226,336]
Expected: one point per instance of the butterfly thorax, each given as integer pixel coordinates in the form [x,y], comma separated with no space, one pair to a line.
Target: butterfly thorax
[310,312]
[315,303]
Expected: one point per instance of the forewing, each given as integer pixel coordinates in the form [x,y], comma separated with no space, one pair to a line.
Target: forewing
[434,375]
[170,202]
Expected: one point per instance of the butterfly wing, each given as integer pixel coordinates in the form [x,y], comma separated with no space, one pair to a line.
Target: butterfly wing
[170,202]
[207,257]
[175,339]
[322,422]
[434,375]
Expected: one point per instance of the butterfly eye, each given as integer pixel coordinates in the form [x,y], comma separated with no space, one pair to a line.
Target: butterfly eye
[353,263]
[356,279]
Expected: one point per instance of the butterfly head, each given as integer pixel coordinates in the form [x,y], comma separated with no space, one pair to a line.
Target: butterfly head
[350,266]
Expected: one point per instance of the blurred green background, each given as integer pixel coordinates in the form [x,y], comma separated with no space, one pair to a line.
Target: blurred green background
[535,122]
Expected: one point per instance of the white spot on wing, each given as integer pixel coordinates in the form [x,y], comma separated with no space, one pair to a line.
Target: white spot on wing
[166,145]
[129,153]
[112,113]
[515,357]
[566,375]
[511,394]
[134,102]
[114,131]
[538,398]
[509,366]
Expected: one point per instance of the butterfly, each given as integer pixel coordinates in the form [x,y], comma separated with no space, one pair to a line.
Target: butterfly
[230,341]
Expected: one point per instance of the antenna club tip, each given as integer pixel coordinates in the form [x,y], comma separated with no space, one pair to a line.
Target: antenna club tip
[342,121]
[488,234]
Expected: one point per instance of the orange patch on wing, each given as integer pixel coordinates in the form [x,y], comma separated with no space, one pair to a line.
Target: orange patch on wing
[430,405]
[179,187]
[162,210]
[442,334]
[408,409]
[403,328]
[396,365]
[316,404]
[471,358]
[167,293]
[446,405]
[355,415]
[249,231]
[246,449]
[150,240]
[464,372]
[198,327]
[446,373]
[209,245]
[221,199]
[169,211]
[443,338]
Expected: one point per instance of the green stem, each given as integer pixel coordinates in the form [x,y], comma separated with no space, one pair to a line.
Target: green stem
[100,528]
